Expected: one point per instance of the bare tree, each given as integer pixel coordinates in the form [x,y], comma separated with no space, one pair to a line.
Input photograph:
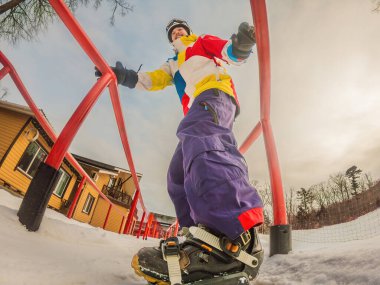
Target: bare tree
[340,186]
[320,194]
[291,204]
[368,181]
[266,197]
[25,19]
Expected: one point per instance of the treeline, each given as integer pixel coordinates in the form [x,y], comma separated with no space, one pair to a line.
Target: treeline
[343,197]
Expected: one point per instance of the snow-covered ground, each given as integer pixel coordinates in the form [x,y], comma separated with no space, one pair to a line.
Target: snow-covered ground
[65,252]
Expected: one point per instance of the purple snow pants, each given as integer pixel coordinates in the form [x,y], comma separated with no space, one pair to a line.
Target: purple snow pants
[208,177]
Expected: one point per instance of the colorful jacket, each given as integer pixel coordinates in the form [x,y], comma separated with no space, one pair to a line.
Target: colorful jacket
[196,67]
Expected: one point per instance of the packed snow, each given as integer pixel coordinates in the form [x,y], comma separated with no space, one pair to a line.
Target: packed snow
[66,252]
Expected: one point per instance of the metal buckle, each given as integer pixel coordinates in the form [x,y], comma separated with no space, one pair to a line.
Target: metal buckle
[170,247]
[245,237]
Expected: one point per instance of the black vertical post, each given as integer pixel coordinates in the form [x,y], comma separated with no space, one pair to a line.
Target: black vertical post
[37,197]
[280,239]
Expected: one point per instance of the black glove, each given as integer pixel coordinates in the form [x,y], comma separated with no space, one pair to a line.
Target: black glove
[243,41]
[125,77]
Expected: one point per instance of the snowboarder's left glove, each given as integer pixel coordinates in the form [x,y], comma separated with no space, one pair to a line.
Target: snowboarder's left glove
[243,41]
[125,77]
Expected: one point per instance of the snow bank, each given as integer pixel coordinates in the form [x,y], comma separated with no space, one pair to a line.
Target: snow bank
[66,252]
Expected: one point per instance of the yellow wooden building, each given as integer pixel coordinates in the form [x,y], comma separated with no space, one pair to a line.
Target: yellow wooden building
[24,145]
[117,185]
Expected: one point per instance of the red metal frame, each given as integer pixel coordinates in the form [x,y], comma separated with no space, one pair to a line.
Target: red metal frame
[4,71]
[148,225]
[176,228]
[9,69]
[154,228]
[259,14]
[140,226]
[172,230]
[45,124]
[79,115]
[76,198]
[63,142]
[253,135]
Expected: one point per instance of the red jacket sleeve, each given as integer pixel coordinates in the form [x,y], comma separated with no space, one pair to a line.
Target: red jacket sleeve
[212,46]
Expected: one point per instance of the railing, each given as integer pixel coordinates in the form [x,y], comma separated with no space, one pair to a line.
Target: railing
[281,230]
[172,230]
[9,69]
[118,194]
[34,204]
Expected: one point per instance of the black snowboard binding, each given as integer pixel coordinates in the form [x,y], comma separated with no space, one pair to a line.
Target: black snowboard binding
[202,259]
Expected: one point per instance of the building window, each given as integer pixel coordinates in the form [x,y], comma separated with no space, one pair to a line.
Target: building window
[94,176]
[62,183]
[111,182]
[31,159]
[88,204]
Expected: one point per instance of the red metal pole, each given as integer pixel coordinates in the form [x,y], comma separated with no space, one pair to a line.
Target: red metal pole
[151,225]
[76,198]
[107,217]
[131,227]
[166,233]
[176,228]
[141,224]
[132,210]
[68,133]
[259,14]
[255,133]
[169,232]
[124,139]
[156,235]
[154,229]
[158,230]
[280,232]
[4,71]
[278,200]
[147,227]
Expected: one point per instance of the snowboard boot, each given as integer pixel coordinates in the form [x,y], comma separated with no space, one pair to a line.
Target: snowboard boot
[204,258]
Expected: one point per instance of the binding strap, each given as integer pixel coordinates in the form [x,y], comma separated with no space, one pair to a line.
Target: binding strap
[212,240]
[170,253]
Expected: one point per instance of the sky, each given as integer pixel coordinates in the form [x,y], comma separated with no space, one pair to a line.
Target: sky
[324,86]
[66,252]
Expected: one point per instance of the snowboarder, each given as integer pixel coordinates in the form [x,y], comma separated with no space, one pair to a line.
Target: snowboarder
[207,178]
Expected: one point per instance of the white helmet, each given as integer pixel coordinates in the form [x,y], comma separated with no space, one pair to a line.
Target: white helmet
[174,23]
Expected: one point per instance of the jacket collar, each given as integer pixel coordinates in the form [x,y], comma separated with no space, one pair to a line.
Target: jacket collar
[182,43]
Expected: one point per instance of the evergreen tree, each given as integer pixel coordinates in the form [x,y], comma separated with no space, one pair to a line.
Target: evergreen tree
[305,198]
[353,173]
